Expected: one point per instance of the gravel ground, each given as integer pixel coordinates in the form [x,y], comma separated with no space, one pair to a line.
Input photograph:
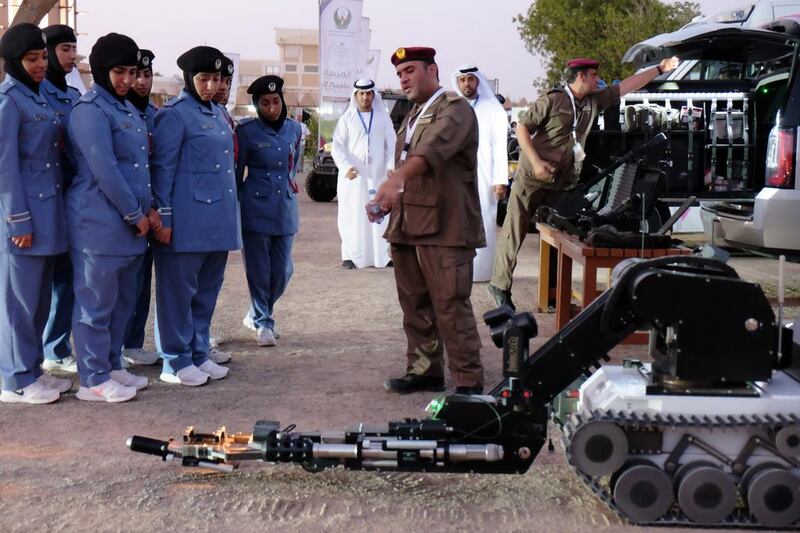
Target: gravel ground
[65,467]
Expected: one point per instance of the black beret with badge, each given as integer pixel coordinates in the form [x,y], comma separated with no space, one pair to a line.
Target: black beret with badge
[21,38]
[114,50]
[146,59]
[58,34]
[266,85]
[201,59]
[227,67]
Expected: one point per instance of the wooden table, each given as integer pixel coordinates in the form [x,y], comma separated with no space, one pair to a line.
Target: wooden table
[569,248]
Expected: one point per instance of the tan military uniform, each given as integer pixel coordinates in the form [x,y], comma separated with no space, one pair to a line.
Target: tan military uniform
[433,234]
[550,118]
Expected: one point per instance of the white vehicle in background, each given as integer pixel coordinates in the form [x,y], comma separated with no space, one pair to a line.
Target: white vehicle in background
[740,79]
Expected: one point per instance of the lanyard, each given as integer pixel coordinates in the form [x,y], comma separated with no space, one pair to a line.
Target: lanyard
[574,112]
[367,130]
[410,129]
[473,103]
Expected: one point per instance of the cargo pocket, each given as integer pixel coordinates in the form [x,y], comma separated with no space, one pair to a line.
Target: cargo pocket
[208,196]
[420,215]
[41,193]
[456,266]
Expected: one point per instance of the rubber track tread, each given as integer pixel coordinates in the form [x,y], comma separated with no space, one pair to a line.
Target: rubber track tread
[740,518]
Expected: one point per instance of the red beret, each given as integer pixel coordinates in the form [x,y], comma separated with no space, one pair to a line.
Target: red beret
[582,62]
[415,53]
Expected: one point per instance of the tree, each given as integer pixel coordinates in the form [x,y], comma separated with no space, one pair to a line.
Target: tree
[33,11]
[559,30]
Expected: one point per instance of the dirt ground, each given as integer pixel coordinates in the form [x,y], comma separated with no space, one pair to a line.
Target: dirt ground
[65,467]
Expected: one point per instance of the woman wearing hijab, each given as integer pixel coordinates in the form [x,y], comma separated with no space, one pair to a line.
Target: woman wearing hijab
[269,150]
[31,201]
[109,216]
[62,53]
[133,351]
[195,191]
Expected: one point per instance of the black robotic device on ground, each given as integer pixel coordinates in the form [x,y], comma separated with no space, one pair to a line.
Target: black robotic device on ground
[707,434]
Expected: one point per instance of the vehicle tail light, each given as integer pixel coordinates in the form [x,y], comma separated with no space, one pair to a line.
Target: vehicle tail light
[781,158]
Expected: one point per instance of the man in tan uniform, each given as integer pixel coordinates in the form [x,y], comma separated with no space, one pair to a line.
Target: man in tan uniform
[434,229]
[551,134]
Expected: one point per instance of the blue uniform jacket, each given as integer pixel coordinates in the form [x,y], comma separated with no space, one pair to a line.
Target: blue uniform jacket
[268,195]
[194,186]
[149,116]
[111,191]
[63,102]
[31,182]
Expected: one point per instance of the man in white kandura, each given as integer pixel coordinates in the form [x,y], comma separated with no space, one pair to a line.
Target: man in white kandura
[363,148]
[470,83]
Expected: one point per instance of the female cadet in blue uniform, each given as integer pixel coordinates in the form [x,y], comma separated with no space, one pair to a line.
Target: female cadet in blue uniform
[268,149]
[62,53]
[195,191]
[107,215]
[133,351]
[32,208]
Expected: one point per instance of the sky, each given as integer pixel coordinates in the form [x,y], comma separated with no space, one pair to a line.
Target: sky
[462,31]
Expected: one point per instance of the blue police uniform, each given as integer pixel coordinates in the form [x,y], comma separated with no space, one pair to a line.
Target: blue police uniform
[134,335]
[269,210]
[194,189]
[31,201]
[59,322]
[108,197]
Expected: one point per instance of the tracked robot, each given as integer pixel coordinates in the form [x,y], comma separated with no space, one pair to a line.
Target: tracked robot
[708,434]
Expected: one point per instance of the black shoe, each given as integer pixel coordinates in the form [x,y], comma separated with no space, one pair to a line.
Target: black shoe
[469,391]
[414,383]
[390,264]
[500,297]
[349,265]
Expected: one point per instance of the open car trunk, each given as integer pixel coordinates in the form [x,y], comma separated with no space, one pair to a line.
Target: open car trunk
[716,110]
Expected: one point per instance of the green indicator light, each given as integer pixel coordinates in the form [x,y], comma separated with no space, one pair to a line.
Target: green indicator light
[764,90]
[435,407]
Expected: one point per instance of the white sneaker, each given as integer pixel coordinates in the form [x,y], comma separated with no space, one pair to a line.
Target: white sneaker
[139,356]
[111,391]
[249,324]
[67,364]
[215,340]
[264,337]
[129,380]
[190,376]
[213,370]
[51,382]
[36,393]
[218,356]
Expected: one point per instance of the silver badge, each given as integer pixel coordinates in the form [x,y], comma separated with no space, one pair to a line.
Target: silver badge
[230,69]
[138,56]
[272,86]
[218,64]
[146,61]
[44,38]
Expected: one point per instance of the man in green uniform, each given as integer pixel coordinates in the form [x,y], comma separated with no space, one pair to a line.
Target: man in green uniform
[434,228]
[551,136]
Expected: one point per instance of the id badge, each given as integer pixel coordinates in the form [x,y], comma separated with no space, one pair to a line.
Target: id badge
[578,152]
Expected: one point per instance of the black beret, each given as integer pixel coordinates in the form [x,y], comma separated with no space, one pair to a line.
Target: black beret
[59,33]
[146,59]
[413,53]
[266,85]
[227,67]
[20,38]
[114,50]
[201,59]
